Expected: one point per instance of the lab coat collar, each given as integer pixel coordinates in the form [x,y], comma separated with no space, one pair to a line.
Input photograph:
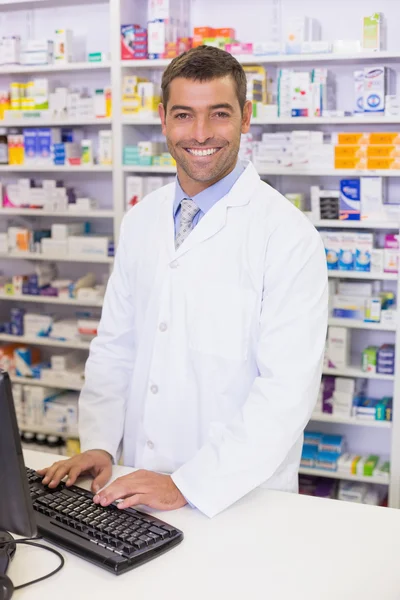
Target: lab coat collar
[215,219]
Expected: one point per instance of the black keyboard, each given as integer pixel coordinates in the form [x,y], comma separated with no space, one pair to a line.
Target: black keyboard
[116,540]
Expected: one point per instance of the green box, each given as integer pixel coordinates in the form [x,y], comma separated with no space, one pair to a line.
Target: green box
[369,359]
[370,465]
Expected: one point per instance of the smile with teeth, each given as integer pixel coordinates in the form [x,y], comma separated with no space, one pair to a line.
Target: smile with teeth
[200,152]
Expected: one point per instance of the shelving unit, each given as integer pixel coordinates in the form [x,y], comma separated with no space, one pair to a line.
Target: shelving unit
[44,430]
[114,176]
[335,475]
[327,418]
[55,383]
[44,341]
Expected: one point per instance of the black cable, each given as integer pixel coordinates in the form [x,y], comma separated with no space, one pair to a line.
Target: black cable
[30,542]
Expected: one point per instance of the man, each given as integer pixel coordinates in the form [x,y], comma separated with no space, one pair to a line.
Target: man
[208,358]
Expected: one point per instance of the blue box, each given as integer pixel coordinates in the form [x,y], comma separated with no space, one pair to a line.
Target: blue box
[327,461]
[308,456]
[332,444]
[44,144]
[30,144]
[312,438]
[350,200]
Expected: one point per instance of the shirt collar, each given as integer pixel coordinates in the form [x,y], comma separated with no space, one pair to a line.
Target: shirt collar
[211,195]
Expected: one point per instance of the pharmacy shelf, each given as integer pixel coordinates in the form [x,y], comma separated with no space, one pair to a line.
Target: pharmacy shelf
[327,418]
[292,121]
[277,59]
[335,475]
[356,324]
[56,384]
[49,300]
[336,223]
[36,256]
[56,168]
[43,341]
[38,212]
[47,431]
[29,4]
[137,169]
[329,172]
[34,121]
[54,68]
[357,373]
[362,275]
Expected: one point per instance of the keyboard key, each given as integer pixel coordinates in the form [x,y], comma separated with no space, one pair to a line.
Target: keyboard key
[160,532]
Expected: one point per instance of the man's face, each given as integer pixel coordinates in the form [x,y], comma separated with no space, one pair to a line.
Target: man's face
[202,124]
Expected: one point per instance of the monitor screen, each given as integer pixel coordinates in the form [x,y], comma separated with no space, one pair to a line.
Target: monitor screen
[16,511]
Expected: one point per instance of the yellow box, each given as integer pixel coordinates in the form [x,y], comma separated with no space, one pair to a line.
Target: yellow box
[350,163]
[383,151]
[383,163]
[350,151]
[385,138]
[353,139]
[130,83]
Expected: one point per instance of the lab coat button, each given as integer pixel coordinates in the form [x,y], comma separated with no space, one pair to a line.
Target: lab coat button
[154,389]
[150,445]
[174,264]
[163,327]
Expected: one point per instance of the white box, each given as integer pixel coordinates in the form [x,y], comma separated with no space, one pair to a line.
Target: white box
[378,81]
[377,261]
[90,245]
[134,190]
[338,347]
[63,46]
[372,198]
[58,248]
[64,362]
[105,147]
[298,31]
[153,183]
[10,50]
[358,106]
[62,231]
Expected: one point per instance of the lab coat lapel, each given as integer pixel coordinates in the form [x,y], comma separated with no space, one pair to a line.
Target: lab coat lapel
[216,217]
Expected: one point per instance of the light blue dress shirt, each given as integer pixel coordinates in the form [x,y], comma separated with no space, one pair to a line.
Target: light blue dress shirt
[208,197]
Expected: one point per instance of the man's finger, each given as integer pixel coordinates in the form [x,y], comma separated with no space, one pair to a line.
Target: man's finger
[134,501]
[101,479]
[58,475]
[120,488]
[51,471]
[74,474]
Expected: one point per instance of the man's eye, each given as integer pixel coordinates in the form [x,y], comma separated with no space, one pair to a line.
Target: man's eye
[222,115]
[181,116]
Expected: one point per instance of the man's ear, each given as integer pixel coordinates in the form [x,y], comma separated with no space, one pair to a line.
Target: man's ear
[161,112]
[246,117]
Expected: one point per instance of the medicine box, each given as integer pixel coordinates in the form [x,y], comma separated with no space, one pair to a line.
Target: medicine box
[338,350]
[350,205]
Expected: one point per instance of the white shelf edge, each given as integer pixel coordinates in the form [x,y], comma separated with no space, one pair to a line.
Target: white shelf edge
[327,418]
[56,168]
[38,212]
[56,384]
[358,373]
[336,223]
[138,169]
[362,275]
[127,120]
[277,59]
[43,341]
[38,122]
[336,475]
[49,300]
[54,68]
[36,256]
[355,324]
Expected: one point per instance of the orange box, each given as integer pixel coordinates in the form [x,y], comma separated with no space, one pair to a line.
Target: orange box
[383,151]
[199,33]
[348,151]
[7,362]
[225,32]
[350,163]
[353,139]
[385,138]
[383,163]
[23,240]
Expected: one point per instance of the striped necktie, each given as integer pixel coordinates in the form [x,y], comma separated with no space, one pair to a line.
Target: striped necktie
[188,211]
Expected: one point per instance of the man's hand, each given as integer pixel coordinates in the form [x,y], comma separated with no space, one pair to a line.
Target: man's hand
[142,487]
[97,463]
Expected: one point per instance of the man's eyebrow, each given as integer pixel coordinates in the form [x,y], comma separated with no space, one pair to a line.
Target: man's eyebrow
[225,105]
[181,107]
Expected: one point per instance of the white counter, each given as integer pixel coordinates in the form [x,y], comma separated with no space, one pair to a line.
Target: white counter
[269,546]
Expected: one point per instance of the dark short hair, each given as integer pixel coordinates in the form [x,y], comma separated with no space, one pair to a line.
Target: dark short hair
[205,63]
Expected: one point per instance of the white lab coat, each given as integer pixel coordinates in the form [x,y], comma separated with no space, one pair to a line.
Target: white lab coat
[208,358]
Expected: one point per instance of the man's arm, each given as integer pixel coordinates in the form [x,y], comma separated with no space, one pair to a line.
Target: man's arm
[241,455]
[110,364]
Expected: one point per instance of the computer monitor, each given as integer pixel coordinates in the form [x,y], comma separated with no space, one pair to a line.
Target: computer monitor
[16,511]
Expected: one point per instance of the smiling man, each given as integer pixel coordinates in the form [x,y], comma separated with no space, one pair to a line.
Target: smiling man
[208,358]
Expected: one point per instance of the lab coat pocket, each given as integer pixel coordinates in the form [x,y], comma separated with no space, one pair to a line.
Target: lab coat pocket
[219,320]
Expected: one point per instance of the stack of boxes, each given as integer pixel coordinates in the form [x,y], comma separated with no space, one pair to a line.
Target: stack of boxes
[138,187]
[148,153]
[133,42]
[139,97]
[362,301]
[374,91]
[14,51]
[367,150]
[305,94]
[379,360]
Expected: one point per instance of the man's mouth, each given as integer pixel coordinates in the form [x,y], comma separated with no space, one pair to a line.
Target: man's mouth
[202,151]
